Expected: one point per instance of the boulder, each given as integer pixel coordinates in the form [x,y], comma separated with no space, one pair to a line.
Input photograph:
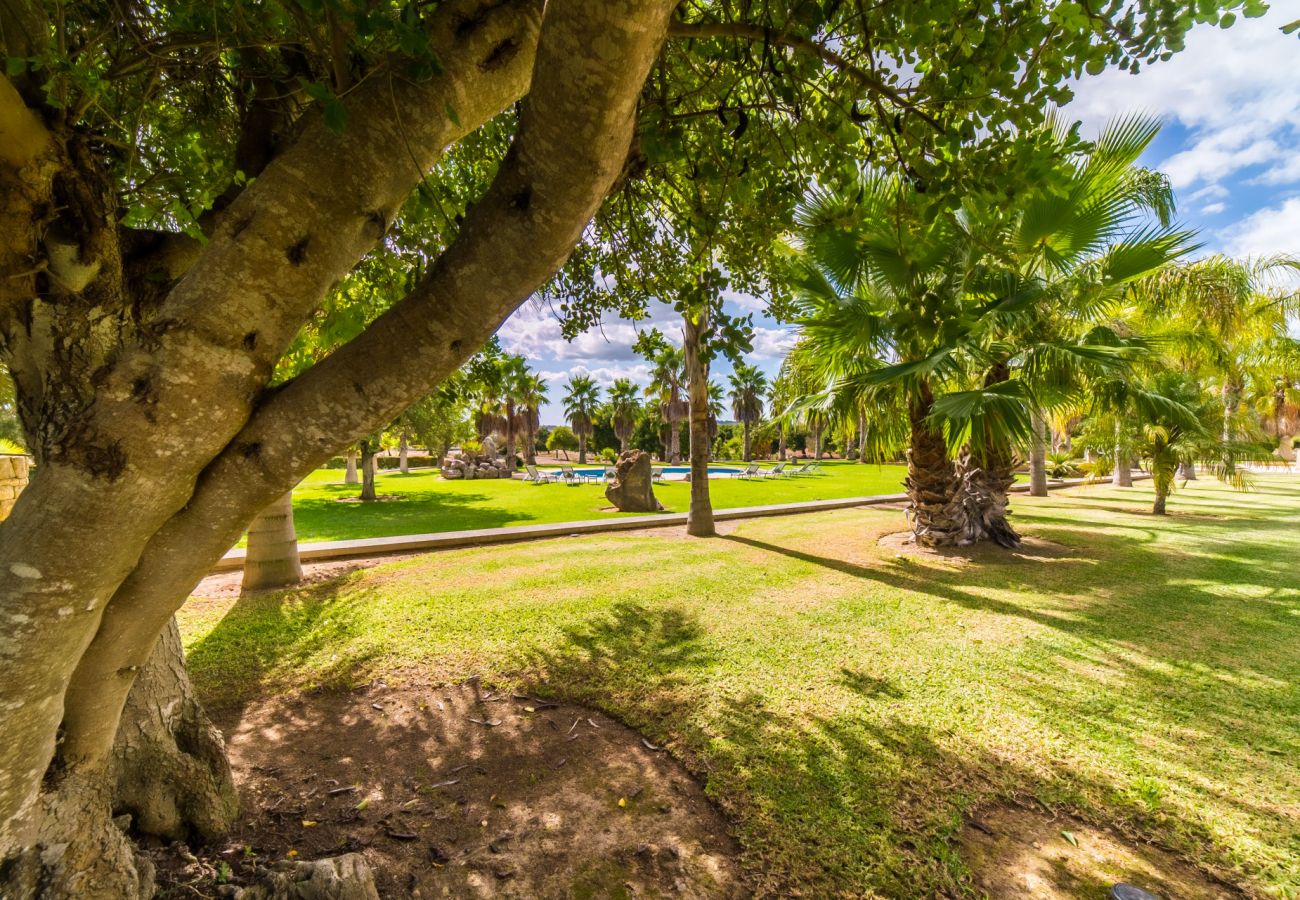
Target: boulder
[631,489]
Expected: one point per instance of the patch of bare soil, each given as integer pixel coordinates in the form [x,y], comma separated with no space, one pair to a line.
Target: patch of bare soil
[227,584]
[1031,549]
[449,795]
[1025,853]
[382,498]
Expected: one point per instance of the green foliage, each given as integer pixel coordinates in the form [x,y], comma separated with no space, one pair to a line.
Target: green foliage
[561,438]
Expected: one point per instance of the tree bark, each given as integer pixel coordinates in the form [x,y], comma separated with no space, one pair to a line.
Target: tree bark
[403,448]
[1123,474]
[582,449]
[748,455]
[780,443]
[110,475]
[167,772]
[368,473]
[699,520]
[1037,455]
[931,481]
[571,143]
[350,477]
[271,559]
[862,437]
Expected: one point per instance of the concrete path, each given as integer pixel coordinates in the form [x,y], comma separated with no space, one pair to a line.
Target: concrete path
[445,540]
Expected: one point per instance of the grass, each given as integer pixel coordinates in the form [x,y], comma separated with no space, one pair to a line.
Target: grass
[848,705]
[430,504]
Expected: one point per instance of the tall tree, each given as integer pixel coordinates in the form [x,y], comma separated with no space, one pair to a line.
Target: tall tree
[581,396]
[748,387]
[181,446]
[623,410]
[531,396]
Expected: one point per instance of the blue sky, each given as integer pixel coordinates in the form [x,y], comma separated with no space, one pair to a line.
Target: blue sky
[1230,103]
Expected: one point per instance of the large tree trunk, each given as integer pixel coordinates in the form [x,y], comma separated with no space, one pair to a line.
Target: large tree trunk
[984,480]
[1037,456]
[984,486]
[350,476]
[748,453]
[127,512]
[271,559]
[699,520]
[1187,471]
[862,437]
[780,442]
[166,773]
[931,479]
[817,440]
[403,448]
[582,449]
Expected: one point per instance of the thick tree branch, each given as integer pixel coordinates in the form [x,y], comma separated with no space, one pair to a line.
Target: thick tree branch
[574,134]
[750,32]
[169,400]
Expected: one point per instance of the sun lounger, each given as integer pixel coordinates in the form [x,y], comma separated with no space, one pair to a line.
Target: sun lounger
[777,471]
[534,475]
[805,469]
[747,472]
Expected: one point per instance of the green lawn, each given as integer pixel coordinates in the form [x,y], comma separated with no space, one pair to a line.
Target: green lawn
[430,504]
[849,705]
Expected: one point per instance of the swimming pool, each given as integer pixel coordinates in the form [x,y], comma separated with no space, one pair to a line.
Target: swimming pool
[665,470]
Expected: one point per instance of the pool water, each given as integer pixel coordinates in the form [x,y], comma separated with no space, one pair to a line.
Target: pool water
[666,470]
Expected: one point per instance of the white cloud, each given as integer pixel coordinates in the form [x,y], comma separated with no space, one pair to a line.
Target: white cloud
[1285,172]
[1211,209]
[1274,229]
[1235,89]
[772,343]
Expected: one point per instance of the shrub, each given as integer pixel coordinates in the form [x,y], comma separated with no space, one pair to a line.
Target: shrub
[609,455]
[1062,464]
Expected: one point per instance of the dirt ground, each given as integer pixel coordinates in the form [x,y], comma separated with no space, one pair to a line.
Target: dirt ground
[459,791]
[1025,853]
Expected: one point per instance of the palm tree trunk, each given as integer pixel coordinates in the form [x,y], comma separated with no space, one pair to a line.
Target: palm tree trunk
[931,478]
[862,437]
[1038,456]
[403,446]
[780,442]
[748,454]
[368,474]
[350,476]
[699,520]
[582,449]
[817,440]
[272,557]
[510,436]
[1123,475]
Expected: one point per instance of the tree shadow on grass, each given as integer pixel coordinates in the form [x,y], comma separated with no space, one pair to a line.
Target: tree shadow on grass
[266,637]
[426,512]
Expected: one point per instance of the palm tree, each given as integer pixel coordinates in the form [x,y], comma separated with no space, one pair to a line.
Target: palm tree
[668,374]
[882,277]
[623,410]
[514,382]
[748,385]
[531,394]
[977,323]
[581,395]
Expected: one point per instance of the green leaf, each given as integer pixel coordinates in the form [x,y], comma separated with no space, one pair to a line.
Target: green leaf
[1069,836]
[1227,20]
[452,116]
[15,65]
[336,115]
